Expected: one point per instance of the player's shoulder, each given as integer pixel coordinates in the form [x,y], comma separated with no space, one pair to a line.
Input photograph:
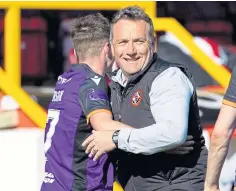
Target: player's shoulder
[77,73]
[85,71]
[93,85]
[90,78]
[233,76]
[232,84]
[230,96]
[94,81]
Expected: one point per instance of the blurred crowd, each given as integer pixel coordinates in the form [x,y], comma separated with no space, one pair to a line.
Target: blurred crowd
[212,24]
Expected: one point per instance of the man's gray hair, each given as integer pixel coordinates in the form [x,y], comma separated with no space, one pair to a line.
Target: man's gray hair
[134,13]
[89,34]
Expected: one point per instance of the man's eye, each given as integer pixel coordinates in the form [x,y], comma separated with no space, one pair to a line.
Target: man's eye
[122,42]
[140,41]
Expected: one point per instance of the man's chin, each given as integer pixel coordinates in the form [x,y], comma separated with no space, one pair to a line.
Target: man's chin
[131,73]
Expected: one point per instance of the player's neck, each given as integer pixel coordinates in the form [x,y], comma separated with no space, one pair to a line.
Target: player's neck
[94,64]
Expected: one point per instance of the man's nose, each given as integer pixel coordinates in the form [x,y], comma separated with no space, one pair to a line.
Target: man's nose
[131,50]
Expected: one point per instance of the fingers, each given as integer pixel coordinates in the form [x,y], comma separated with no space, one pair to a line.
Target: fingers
[181,150]
[87,141]
[185,148]
[202,141]
[98,155]
[90,147]
[189,138]
[93,152]
[188,143]
[178,152]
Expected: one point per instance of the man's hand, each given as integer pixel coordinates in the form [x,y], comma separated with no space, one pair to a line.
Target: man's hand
[186,148]
[98,143]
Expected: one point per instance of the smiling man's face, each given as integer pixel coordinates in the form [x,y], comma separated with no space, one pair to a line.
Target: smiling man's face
[130,45]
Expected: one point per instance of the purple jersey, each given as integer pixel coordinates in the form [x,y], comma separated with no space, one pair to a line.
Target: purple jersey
[78,93]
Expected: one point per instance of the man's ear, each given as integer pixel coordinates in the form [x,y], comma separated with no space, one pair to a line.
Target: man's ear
[110,54]
[112,49]
[155,43]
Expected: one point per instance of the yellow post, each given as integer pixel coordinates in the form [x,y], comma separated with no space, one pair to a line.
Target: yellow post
[217,72]
[12,40]
[36,113]
[12,45]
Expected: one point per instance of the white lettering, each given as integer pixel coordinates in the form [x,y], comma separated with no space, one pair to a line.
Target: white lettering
[57,96]
[51,181]
[49,178]
[62,80]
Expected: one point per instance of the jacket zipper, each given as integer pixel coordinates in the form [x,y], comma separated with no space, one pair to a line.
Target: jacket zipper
[118,100]
[122,96]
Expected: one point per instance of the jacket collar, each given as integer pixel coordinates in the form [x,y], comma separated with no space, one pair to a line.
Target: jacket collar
[118,76]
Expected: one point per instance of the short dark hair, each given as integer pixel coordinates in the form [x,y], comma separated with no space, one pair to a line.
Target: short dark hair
[134,13]
[89,34]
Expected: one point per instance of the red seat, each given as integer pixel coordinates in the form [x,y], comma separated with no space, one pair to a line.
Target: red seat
[231,48]
[219,30]
[215,26]
[33,46]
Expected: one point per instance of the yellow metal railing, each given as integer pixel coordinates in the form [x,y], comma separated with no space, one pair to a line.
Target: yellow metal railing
[12,44]
[10,79]
[217,72]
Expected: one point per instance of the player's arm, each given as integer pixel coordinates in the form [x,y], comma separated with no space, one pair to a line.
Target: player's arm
[219,146]
[103,121]
[95,103]
[221,136]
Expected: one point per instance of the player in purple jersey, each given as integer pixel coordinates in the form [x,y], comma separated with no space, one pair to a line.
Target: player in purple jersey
[80,104]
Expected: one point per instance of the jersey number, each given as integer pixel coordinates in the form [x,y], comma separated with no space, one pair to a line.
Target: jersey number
[53,118]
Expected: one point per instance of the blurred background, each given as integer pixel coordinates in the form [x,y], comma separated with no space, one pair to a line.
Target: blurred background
[46,52]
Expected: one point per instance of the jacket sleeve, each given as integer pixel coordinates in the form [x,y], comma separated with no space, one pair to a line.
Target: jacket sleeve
[170,97]
[93,97]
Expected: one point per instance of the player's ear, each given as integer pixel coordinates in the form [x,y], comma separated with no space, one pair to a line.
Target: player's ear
[76,55]
[107,48]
